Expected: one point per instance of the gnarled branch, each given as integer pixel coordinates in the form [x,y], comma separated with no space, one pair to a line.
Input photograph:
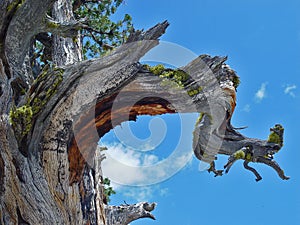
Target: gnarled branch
[48,171]
[124,214]
[207,145]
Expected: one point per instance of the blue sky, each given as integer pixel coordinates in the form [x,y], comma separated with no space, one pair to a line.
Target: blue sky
[262,42]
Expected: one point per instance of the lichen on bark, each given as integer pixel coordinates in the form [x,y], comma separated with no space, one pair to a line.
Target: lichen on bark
[43,88]
[50,125]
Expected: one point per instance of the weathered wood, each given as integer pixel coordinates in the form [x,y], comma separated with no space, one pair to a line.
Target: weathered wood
[65,50]
[24,20]
[35,181]
[124,214]
[49,170]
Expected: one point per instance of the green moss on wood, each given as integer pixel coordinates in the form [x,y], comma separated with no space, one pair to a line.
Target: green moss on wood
[274,138]
[240,154]
[176,75]
[12,6]
[193,92]
[22,117]
[276,135]
[200,118]
[44,87]
[248,157]
[174,78]
[39,102]
[170,84]
[156,70]
[75,40]
[15,5]
[52,25]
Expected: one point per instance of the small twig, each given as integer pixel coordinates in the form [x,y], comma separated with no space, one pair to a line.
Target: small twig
[240,128]
[212,168]
[95,38]
[68,29]
[97,31]
[229,164]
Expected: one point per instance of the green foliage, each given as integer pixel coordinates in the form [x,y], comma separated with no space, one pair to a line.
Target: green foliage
[104,32]
[102,35]
[240,154]
[276,135]
[108,190]
[236,81]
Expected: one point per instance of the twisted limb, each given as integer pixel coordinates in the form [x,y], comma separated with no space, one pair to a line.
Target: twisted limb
[274,165]
[244,153]
[247,167]
[247,154]
[214,134]
[230,162]
[212,168]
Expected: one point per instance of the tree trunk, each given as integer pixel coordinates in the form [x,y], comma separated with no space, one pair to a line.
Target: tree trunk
[50,169]
[65,50]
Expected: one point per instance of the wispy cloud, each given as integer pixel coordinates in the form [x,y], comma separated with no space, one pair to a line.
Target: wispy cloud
[261,93]
[124,163]
[142,194]
[163,192]
[289,90]
[139,194]
[247,108]
[125,166]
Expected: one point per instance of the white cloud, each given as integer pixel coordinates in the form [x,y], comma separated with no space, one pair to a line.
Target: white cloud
[149,160]
[247,108]
[139,194]
[125,163]
[289,90]
[261,93]
[142,194]
[126,166]
[164,192]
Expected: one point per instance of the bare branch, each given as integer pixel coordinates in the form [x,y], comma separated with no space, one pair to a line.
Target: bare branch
[212,168]
[25,23]
[258,177]
[232,143]
[229,164]
[64,29]
[124,214]
[274,165]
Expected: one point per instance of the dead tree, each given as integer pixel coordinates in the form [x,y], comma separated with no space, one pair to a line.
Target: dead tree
[50,125]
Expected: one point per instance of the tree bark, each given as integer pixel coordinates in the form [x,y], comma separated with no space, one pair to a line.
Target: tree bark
[65,50]
[42,180]
[50,171]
